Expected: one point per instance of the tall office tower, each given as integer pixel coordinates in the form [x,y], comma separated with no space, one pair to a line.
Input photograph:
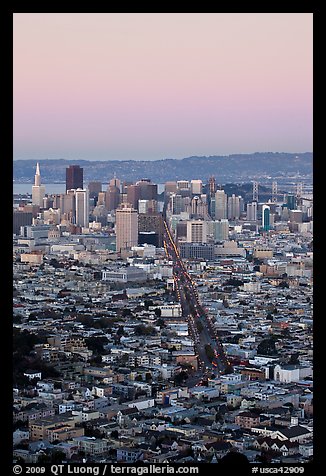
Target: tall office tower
[221,230]
[147,189]
[21,218]
[255,192]
[115,182]
[266,217]
[183,188]
[274,192]
[133,195]
[196,187]
[47,202]
[199,205]
[112,199]
[57,200]
[126,226]
[211,206]
[196,231]
[74,177]
[252,211]
[242,204]
[101,198]
[183,185]
[212,186]
[177,204]
[38,190]
[124,186]
[296,216]
[94,188]
[221,202]
[233,207]
[68,207]
[82,207]
[170,187]
[152,222]
[147,206]
[291,202]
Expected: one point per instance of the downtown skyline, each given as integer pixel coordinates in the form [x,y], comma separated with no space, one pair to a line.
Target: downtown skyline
[152,86]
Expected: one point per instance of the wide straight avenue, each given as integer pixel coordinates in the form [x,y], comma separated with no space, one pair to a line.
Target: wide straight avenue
[211,355]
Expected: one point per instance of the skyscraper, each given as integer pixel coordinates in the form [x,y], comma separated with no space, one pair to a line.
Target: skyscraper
[221,230]
[38,190]
[94,189]
[266,212]
[147,189]
[112,198]
[212,186]
[115,182]
[82,207]
[233,207]
[151,222]
[290,202]
[196,231]
[133,195]
[221,201]
[126,227]
[74,177]
[252,211]
[196,187]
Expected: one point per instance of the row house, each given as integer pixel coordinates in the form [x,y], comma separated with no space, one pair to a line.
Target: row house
[285,448]
[91,446]
[247,420]
[33,414]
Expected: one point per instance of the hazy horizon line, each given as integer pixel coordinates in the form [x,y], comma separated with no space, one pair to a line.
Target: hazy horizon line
[165,158]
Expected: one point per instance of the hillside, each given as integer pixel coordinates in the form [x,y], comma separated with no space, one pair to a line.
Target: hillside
[232,168]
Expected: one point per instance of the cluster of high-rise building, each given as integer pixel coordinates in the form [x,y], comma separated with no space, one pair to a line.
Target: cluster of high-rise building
[202,215]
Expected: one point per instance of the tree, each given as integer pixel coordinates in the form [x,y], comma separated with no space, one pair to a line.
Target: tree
[96,343]
[294,358]
[144,330]
[126,312]
[180,377]
[267,347]
[57,456]
[283,284]
[233,282]
[158,312]
[44,458]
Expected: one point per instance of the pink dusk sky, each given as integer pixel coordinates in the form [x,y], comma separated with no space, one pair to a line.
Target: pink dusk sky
[105,86]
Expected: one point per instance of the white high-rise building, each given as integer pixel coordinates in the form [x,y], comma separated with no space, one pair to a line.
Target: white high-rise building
[252,211]
[196,187]
[233,207]
[126,226]
[221,230]
[196,231]
[82,207]
[221,204]
[38,190]
[183,185]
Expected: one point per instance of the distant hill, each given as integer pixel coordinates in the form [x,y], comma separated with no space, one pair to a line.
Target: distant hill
[231,168]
